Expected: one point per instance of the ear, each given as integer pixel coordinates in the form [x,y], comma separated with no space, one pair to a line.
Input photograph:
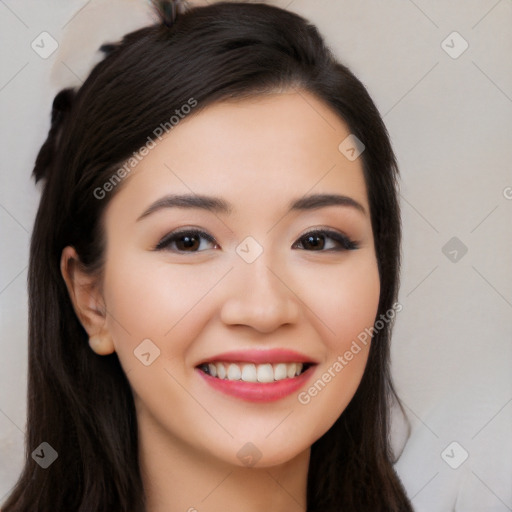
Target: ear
[84,291]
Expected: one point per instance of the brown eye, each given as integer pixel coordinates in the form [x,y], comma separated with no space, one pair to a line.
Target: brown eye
[185,241]
[316,241]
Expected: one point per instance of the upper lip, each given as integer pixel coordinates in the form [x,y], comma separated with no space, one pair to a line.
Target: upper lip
[260,356]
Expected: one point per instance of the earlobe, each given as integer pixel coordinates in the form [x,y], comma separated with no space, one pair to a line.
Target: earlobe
[101,344]
[85,296]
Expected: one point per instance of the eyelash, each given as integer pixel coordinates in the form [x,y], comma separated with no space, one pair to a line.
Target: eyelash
[346,243]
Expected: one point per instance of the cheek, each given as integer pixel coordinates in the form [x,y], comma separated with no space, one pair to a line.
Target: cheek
[148,298]
[343,297]
[346,302]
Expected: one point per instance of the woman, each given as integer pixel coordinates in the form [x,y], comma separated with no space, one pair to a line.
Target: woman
[213,275]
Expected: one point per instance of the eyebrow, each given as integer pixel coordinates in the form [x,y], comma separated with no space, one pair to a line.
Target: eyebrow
[218,205]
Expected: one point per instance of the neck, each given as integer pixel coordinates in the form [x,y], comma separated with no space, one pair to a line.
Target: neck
[178,478]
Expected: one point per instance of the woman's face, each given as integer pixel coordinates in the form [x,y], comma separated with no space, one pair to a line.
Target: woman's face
[252,295]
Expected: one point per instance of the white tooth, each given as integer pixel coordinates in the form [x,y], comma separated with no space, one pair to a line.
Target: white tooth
[299,368]
[249,373]
[234,372]
[265,373]
[280,372]
[221,371]
[212,369]
[291,368]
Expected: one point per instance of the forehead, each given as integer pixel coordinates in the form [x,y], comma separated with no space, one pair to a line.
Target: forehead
[264,149]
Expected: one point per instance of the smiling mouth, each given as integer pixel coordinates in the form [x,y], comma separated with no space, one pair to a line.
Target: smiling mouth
[250,372]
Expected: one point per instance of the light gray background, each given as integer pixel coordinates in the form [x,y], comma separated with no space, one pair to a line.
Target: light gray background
[450,120]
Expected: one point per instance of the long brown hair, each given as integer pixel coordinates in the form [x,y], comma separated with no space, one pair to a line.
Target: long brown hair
[81,404]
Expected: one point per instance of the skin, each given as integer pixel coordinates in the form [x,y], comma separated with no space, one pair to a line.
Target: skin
[259,154]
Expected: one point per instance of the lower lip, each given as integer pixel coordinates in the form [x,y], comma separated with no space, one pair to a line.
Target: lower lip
[257,391]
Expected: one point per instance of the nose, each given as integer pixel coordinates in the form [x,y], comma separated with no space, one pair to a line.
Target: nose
[261,296]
